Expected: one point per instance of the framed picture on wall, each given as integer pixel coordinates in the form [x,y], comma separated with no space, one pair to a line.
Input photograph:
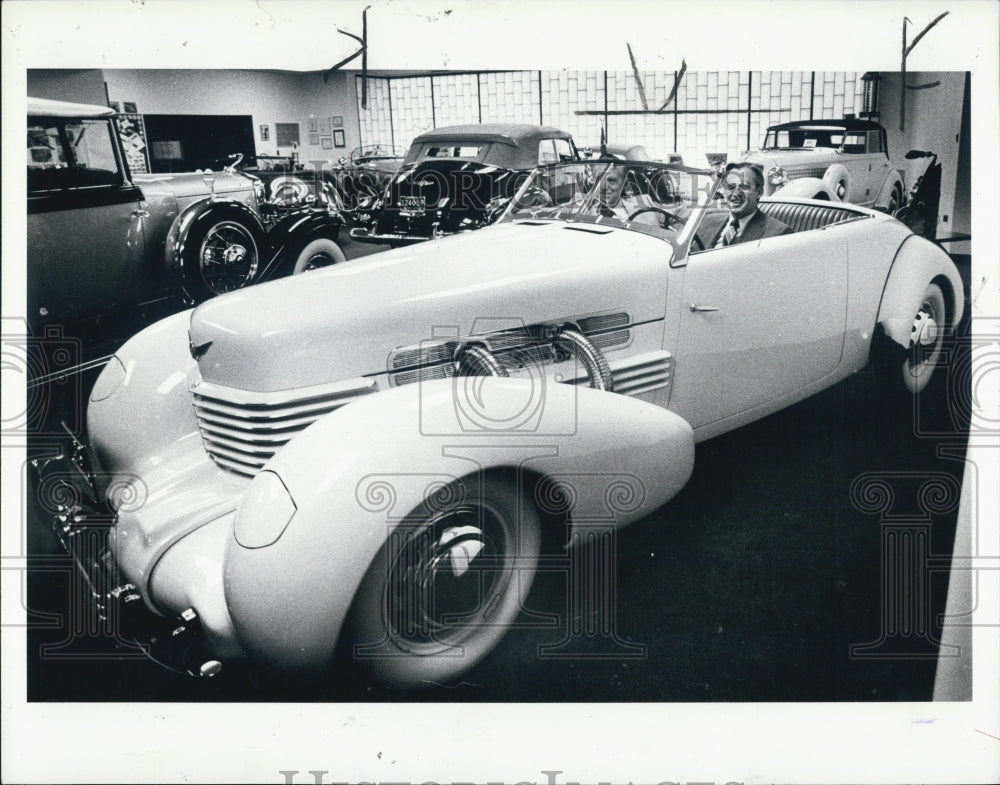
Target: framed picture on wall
[287,133]
[324,126]
[314,139]
[312,125]
[265,133]
[338,138]
[326,143]
[337,121]
[115,105]
[130,107]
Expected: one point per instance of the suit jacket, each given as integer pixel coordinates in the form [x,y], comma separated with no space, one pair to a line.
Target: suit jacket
[758,227]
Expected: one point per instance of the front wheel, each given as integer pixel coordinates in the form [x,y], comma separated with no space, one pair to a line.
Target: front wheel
[910,370]
[318,253]
[222,255]
[447,584]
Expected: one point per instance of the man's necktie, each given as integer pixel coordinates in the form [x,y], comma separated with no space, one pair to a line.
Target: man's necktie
[730,234]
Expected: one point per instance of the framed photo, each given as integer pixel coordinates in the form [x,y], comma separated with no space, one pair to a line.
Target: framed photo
[313,139]
[130,107]
[338,138]
[326,143]
[337,121]
[265,133]
[312,125]
[287,133]
[115,105]
[324,126]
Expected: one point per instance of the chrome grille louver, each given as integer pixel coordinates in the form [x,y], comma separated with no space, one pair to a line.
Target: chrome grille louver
[640,374]
[242,430]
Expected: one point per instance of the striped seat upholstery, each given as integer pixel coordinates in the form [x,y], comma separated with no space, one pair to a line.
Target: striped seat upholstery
[803,217]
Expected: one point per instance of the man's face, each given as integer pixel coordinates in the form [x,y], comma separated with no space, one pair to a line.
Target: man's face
[611,188]
[740,192]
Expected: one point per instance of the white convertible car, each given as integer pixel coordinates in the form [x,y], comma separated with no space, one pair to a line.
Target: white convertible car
[364,459]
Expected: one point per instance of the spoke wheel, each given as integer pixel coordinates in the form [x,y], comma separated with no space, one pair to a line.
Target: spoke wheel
[228,257]
[447,585]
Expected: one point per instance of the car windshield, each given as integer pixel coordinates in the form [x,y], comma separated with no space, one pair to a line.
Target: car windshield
[652,198]
[804,138]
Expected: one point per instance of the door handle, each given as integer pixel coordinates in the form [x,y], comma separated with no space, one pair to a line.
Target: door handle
[140,213]
[702,308]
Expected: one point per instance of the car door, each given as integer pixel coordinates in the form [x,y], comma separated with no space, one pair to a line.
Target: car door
[866,165]
[85,238]
[759,321]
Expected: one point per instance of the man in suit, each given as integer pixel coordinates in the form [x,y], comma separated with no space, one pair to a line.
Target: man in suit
[742,186]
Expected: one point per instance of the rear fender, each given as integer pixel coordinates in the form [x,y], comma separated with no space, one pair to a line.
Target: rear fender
[293,232]
[318,514]
[918,262]
[892,183]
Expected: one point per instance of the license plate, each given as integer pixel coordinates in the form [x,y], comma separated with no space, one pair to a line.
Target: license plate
[412,206]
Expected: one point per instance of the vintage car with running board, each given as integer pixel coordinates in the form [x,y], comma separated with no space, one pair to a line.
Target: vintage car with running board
[845,160]
[362,462]
[101,237]
[458,178]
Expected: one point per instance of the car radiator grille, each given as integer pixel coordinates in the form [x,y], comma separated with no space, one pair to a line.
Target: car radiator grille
[242,430]
[797,172]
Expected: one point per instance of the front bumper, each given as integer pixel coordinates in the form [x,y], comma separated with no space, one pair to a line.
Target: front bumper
[83,523]
[364,235]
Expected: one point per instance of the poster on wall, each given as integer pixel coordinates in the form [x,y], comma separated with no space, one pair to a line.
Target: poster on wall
[133,134]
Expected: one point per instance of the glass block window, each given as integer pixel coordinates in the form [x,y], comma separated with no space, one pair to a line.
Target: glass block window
[510,97]
[412,108]
[564,93]
[456,99]
[376,120]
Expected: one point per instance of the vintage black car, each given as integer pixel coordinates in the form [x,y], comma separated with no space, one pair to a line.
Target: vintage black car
[100,238]
[458,178]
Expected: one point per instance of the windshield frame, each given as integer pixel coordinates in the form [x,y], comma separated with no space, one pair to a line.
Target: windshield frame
[679,239]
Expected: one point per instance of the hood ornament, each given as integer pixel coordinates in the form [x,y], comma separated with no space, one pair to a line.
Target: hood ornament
[199,350]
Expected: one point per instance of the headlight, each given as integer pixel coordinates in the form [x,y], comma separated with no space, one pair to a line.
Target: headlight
[777,176]
[265,512]
[259,189]
[110,380]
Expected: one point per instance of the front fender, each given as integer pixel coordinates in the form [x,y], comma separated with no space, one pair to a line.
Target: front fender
[807,188]
[318,514]
[194,215]
[918,262]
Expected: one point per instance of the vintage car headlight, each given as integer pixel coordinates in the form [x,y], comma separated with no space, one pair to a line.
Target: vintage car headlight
[265,512]
[259,190]
[111,379]
[777,176]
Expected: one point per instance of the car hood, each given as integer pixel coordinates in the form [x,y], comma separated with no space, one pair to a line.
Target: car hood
[793,159]
[189,184]
[346,321]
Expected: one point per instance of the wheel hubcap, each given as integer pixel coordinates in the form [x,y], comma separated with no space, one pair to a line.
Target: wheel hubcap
[925,338]
[447,578]
[228,258]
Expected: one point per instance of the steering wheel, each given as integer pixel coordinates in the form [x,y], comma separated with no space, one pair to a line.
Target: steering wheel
[534,197]
[670,219]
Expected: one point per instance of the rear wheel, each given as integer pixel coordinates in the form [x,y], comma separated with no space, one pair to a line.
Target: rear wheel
[318,253]
[447,584]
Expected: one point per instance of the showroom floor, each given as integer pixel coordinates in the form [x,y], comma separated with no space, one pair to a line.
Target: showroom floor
[753,584]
